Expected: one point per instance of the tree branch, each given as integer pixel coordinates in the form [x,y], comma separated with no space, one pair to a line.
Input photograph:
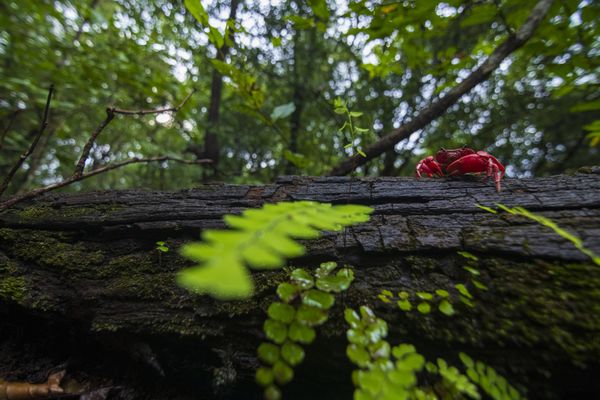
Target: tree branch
[75,178]
[110,115]
[438,107]
[34,143]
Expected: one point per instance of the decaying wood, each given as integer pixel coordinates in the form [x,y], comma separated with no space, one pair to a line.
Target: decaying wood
[84,270]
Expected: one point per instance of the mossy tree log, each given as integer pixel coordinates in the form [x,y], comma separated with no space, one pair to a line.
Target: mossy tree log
[81,282]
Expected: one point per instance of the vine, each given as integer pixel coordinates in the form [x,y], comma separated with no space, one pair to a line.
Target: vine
[304,304]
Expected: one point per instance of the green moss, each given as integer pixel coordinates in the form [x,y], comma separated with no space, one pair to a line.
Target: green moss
[47,248]
[43,212]
[13,288]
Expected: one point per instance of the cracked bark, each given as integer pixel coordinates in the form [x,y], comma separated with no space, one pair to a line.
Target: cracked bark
[81,281]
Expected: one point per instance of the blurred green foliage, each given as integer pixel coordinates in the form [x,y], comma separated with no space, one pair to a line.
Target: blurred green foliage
[291,60]
[263,239]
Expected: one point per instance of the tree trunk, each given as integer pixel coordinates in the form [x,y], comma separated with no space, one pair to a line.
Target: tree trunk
[81,283]
[211,138]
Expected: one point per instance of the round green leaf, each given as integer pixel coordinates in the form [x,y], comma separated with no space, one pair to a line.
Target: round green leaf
[380,349]
[264,376]
[442,293]
[357,336]
[301,333]
[318,298]
[404,305]
[282,373]
[268,352]
[292,353]
[446,307]
[287,292]
[281,312]
[302,278]
[275,330]
[272,393]
[311,316]
[425,295]
[358,355]
[424,308]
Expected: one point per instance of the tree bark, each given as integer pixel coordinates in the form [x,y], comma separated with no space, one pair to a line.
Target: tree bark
[81,282]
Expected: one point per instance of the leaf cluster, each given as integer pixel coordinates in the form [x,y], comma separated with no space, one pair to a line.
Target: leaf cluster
[261,239]
[304,305]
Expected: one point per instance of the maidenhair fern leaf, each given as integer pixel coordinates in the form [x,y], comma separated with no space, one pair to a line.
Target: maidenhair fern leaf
[261,239]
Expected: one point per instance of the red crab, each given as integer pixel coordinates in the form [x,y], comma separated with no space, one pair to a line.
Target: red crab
[461,161]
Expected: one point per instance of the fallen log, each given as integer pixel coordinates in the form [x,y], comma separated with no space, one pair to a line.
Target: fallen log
[82,284]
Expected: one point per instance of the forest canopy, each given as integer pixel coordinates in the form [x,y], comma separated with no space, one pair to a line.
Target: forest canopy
[274,87]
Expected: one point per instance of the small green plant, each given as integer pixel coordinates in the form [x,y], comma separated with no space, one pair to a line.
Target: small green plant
[387,372]
[550,224]
[340,107]
[304,304]
[262,239]
[489,380]
[161,247]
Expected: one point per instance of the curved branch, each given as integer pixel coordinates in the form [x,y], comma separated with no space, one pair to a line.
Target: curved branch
[75,178]
[440,106]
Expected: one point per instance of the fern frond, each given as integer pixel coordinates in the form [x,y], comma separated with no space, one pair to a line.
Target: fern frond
[261,239]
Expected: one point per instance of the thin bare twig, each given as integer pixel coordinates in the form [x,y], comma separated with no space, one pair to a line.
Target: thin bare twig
[110,115]
[440,106]
[11,119]
[75,178]
[34,143]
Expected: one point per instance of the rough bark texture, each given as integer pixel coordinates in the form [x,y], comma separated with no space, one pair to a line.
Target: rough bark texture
[82,283]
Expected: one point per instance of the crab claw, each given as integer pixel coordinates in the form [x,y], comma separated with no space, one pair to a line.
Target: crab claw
[429,167]
[480,162]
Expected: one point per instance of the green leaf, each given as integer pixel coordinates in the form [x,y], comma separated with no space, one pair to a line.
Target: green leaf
[292,353]
[287,292]
[281,312]
[301,333]
[352,317]
[357,336]
[446,307]
[318,299]
[466,360]
[355,114]
[319,8]
[472,271]
[197,10]
[404,305]
[208,279]
[268,352]
[338,283]
[264,376]
[358,355]
[302,279]
[424,295]
[283,111]
[272,393]
[442,293]
[468,255]
[282,373]
[311,316]
[424,308]
[275,330]
[587,106]
[263,238]
[462,289]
